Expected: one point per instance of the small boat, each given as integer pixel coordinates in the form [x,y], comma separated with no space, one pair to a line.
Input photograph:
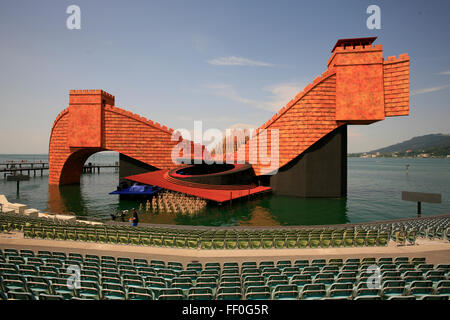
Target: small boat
[136,190]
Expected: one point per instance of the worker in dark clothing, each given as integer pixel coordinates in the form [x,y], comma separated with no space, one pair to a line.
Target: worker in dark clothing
[134,218]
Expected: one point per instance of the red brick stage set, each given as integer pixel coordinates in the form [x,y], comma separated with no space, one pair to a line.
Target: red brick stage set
[359,87]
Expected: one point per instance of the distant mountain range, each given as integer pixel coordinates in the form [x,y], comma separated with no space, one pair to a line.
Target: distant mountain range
[431,145]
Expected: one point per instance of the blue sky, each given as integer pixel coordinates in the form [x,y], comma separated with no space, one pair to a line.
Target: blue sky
[228,63]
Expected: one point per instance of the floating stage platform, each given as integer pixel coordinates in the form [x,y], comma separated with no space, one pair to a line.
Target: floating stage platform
[137,190]
[210,186]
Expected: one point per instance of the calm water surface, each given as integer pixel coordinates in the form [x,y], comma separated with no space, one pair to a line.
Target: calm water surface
[374,193]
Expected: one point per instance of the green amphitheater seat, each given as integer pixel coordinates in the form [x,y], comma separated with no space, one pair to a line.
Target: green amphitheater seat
[14,285]
[194,266]
[313,294]
[26,253]
[170,292]
[252,278]
[175,266]
[145,239]
[39,232]
[206,243]
[27,270]
[435,278]
[334,261]
[434,297]
[134,238]
[255,243]
[18,295]
[360,241]
[302,242]
[337,241]
[318,262]
[229,296]
[401,260]
[385,260]
[311,270]
[230,265]
[249,264]
[112,286]
[200,291]
[395,297]
[59,255]
[341,293]
[191,243]
[265,264]
[18,260]
[88,292]
[331,269]
[44,296]
[421,291]
[157,264]
[285,295]
[279,242]
[314,287]
[124,261]
[421,284]
[382,240]
[228,290]
[443,291]
[218,243]
[198,296]
[367,298]
[367,292]
[108,294]
[445,267]
[184,286]
[443,284]
[191,274]
[36,288]
[139,296]
[140,262]
[258,296]
[250,271]
[314,242]
[75,256]
[113,237]
[231,243]
[267,243]
[341,286]
[168,241]
[290,271]
[392,291]
[28,232]
[62,290]
[394,283]
[418,261]
[171,297]
[412,278]
[291,242]
[425,267]
[371,241]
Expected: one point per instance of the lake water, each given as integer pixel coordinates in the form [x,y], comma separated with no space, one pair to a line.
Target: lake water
[374,193]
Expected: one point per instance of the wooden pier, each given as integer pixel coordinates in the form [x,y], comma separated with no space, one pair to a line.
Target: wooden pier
[14,168]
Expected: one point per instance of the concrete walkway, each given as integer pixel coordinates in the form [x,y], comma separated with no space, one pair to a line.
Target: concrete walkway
[435,251]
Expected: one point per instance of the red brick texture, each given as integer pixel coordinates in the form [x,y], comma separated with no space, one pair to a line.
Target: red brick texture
[78,133]
[396,86]
[359,87]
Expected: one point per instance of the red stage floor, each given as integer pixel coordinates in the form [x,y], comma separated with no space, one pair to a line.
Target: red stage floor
[158,178]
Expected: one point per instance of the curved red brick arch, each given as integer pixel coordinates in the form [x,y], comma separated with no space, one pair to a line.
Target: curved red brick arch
[91,124]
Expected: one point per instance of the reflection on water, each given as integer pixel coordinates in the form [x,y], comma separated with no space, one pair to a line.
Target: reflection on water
[374,189]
